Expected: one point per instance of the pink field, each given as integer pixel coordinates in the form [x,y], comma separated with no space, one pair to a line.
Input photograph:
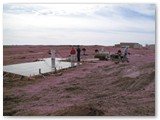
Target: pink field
[94,88]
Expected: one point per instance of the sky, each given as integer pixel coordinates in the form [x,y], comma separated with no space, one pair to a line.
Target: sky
[78,24]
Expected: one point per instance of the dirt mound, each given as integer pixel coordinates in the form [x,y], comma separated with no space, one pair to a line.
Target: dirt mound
[134,84]
[79,111]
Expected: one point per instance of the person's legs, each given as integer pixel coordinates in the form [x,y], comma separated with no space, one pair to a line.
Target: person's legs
[78,57]
[124,58]
[72,57]
[127,58]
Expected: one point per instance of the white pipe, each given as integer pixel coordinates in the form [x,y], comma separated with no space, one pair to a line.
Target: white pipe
[53,54]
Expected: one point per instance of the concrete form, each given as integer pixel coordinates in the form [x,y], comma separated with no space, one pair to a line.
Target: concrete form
[37,68]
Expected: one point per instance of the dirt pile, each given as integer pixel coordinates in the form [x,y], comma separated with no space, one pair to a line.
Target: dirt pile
[79,111]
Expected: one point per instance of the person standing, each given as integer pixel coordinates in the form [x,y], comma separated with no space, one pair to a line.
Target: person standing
[119,55]
[125,57]
[73,54]
[78,53]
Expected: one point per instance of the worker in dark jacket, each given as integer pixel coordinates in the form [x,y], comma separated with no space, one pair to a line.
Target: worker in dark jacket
[119,55]
[78,53]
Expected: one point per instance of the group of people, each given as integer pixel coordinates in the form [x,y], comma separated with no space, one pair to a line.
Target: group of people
[75,52]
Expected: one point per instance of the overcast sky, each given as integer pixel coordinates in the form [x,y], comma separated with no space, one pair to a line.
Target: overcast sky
[78,24]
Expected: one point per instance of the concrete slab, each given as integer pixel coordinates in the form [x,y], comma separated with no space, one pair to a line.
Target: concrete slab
[32,68]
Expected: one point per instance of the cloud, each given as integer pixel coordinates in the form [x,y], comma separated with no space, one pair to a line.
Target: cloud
[95,23]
